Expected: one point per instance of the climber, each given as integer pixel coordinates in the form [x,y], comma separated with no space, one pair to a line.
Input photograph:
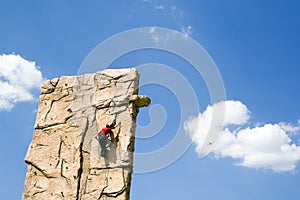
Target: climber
[103,139]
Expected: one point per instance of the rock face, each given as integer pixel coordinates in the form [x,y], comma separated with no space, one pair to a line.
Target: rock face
[63,158]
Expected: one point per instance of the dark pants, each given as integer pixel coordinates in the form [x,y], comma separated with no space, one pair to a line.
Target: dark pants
[103,141]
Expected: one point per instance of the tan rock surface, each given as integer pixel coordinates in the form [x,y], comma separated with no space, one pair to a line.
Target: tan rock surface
[63,158]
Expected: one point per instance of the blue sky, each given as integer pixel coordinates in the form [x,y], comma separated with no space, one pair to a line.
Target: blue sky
[254,44]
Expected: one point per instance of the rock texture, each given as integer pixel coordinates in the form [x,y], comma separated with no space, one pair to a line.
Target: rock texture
[63,158]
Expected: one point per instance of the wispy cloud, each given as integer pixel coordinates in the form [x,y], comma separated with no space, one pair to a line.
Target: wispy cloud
[160,36]
[18,77]
[265,146]
[186,30]
[154,34]
[159,7]
[173,7]
[175,13]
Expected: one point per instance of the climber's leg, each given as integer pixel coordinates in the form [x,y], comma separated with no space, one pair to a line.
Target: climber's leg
[103,141]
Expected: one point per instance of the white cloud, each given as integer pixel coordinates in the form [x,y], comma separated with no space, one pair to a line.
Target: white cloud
[160,36]
[187,31]
[267,146]
[154,35]
[18,77]
[290,128]
[151,30]
[159,7]
[199,126]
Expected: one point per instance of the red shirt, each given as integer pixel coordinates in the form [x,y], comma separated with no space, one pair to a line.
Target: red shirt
[105,130]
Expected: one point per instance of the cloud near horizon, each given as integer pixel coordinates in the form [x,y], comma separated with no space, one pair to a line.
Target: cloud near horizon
[267,146]
[18,78]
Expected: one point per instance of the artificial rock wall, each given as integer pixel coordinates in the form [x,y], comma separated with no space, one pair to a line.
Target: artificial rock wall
[63,158]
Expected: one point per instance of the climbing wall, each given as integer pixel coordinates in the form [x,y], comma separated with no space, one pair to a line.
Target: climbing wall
[63,158]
